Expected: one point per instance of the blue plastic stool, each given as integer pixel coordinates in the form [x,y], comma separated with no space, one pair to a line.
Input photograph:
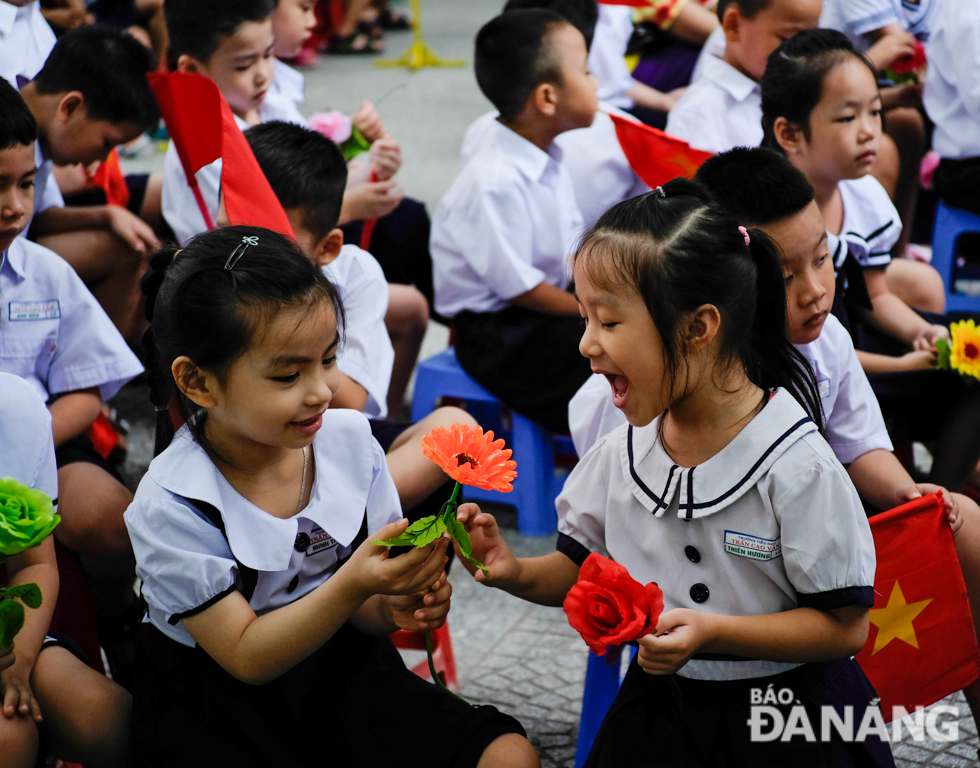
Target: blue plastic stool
[950,224]
[536,487]
[602,683]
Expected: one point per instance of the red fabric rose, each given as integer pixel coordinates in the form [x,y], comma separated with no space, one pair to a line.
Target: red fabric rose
[905,64]
[608,608]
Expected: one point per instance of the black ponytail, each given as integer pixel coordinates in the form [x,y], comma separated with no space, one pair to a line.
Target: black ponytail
[199,308]
[680,250]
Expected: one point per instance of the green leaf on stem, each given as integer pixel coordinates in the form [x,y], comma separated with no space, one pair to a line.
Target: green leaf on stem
[432,532]
[11,621]
[419,534]
[943,353]
[30,594]
[459,534]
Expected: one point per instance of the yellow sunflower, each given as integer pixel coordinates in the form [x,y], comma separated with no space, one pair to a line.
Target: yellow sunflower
[965,348]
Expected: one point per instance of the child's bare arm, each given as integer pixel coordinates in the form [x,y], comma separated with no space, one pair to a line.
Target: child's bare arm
[894,316]
[799,635]
[256,650]
[73,412]
[651,98]
[548,299]
[38,566]
[872,362]
[544,580]
[128,226]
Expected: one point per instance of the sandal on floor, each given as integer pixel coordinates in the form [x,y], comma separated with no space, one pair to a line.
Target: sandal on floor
[394,22]
[370,28]
[354,44]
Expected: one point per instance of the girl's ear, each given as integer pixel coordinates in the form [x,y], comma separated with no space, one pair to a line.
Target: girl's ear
[545,98]
[789,136]
[197,385]
[702,328]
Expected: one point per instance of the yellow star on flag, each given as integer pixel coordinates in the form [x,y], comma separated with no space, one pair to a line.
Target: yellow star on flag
[895,619]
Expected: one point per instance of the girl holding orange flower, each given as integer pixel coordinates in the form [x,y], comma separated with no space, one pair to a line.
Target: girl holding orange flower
[268,607]
[721,489]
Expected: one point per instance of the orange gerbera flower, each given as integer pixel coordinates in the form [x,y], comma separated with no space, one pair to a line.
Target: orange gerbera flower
[965,348]
[471,457]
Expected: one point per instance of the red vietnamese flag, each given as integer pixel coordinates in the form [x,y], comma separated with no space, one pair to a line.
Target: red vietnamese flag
[922,645]
[203,129]
[654,156]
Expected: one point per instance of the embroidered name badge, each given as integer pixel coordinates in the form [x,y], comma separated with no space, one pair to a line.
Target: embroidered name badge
[34,310]
[824,386]
[319,541]
[752,547]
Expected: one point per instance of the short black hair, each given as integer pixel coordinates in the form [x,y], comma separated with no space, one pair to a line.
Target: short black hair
[305,170]
[748,8]
[757,186]
[17,124]
[513,58]
[197,26]
[109,68]
[581,14]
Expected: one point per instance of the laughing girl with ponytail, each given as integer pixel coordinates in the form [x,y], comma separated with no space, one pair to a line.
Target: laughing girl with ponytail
[721,489]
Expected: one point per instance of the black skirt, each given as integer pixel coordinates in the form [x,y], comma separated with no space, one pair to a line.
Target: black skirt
[352,703]
[669,720]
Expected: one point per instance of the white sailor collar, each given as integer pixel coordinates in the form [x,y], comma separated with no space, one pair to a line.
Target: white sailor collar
[530,160]
[738,86]
[8,15]
[655,479]
[338,499]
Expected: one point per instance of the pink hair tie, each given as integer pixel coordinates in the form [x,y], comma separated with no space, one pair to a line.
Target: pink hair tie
[745,234]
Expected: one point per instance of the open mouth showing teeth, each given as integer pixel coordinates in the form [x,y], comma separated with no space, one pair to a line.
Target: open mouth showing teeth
[620,385]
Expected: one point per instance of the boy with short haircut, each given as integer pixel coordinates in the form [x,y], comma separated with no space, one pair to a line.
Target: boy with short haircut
[600,172]
[502,234]
[90,96]
[26,39]
[307,173]
[723,107]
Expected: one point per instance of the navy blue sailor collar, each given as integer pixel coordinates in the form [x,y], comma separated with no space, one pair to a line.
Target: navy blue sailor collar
[338,499]
[656,480]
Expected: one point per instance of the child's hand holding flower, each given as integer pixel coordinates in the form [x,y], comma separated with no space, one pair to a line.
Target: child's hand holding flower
[680,634]
[423,610]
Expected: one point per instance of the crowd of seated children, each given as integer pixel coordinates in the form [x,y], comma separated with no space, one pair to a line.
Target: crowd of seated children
[90,96]
[307,173]
[233,43]
[502,234]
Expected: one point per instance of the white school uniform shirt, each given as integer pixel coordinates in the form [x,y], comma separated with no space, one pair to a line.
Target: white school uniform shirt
[607,61]
[26,40]
[600,172]
[720,111]
[46,191]
[26,441]
[852,417]
[53,332]
[186,564]
[856,18]
[770,523]
[952,89]
[713,46]
[871,224]
[507,224]
[366,354]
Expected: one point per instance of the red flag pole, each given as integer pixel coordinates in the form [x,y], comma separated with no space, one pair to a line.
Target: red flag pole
[368,229]
[202,206]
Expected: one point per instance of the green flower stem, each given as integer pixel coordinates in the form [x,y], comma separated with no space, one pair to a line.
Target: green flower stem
[432,667]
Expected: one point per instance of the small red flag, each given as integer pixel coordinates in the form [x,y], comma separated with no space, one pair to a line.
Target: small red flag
[203,128]
[654,156]
[922,645]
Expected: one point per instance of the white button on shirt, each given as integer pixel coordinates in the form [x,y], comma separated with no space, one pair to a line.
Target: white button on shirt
[53,332]
[952,88]
[26,441]
[600,172]
[774,518]
[871,224]
[720,111]
[607,62]
[184,561]
[25,41]
[852,417]
[366,354]
[507,224]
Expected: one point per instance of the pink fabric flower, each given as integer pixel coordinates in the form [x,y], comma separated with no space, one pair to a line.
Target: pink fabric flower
[334,125]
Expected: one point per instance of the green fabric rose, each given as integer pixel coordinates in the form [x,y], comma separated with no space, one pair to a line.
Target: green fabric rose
[27,516]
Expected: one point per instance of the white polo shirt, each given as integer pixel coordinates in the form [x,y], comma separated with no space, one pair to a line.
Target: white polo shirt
[186,564]
[720,111]
[607,61]
[507,224]
[600,172]
[871,224]
[852,417]
[714,46]
[770,523]
[366,354]
[856,18]
[285,94]
[951,96]
[26,441]
[53,332]
[26,40]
